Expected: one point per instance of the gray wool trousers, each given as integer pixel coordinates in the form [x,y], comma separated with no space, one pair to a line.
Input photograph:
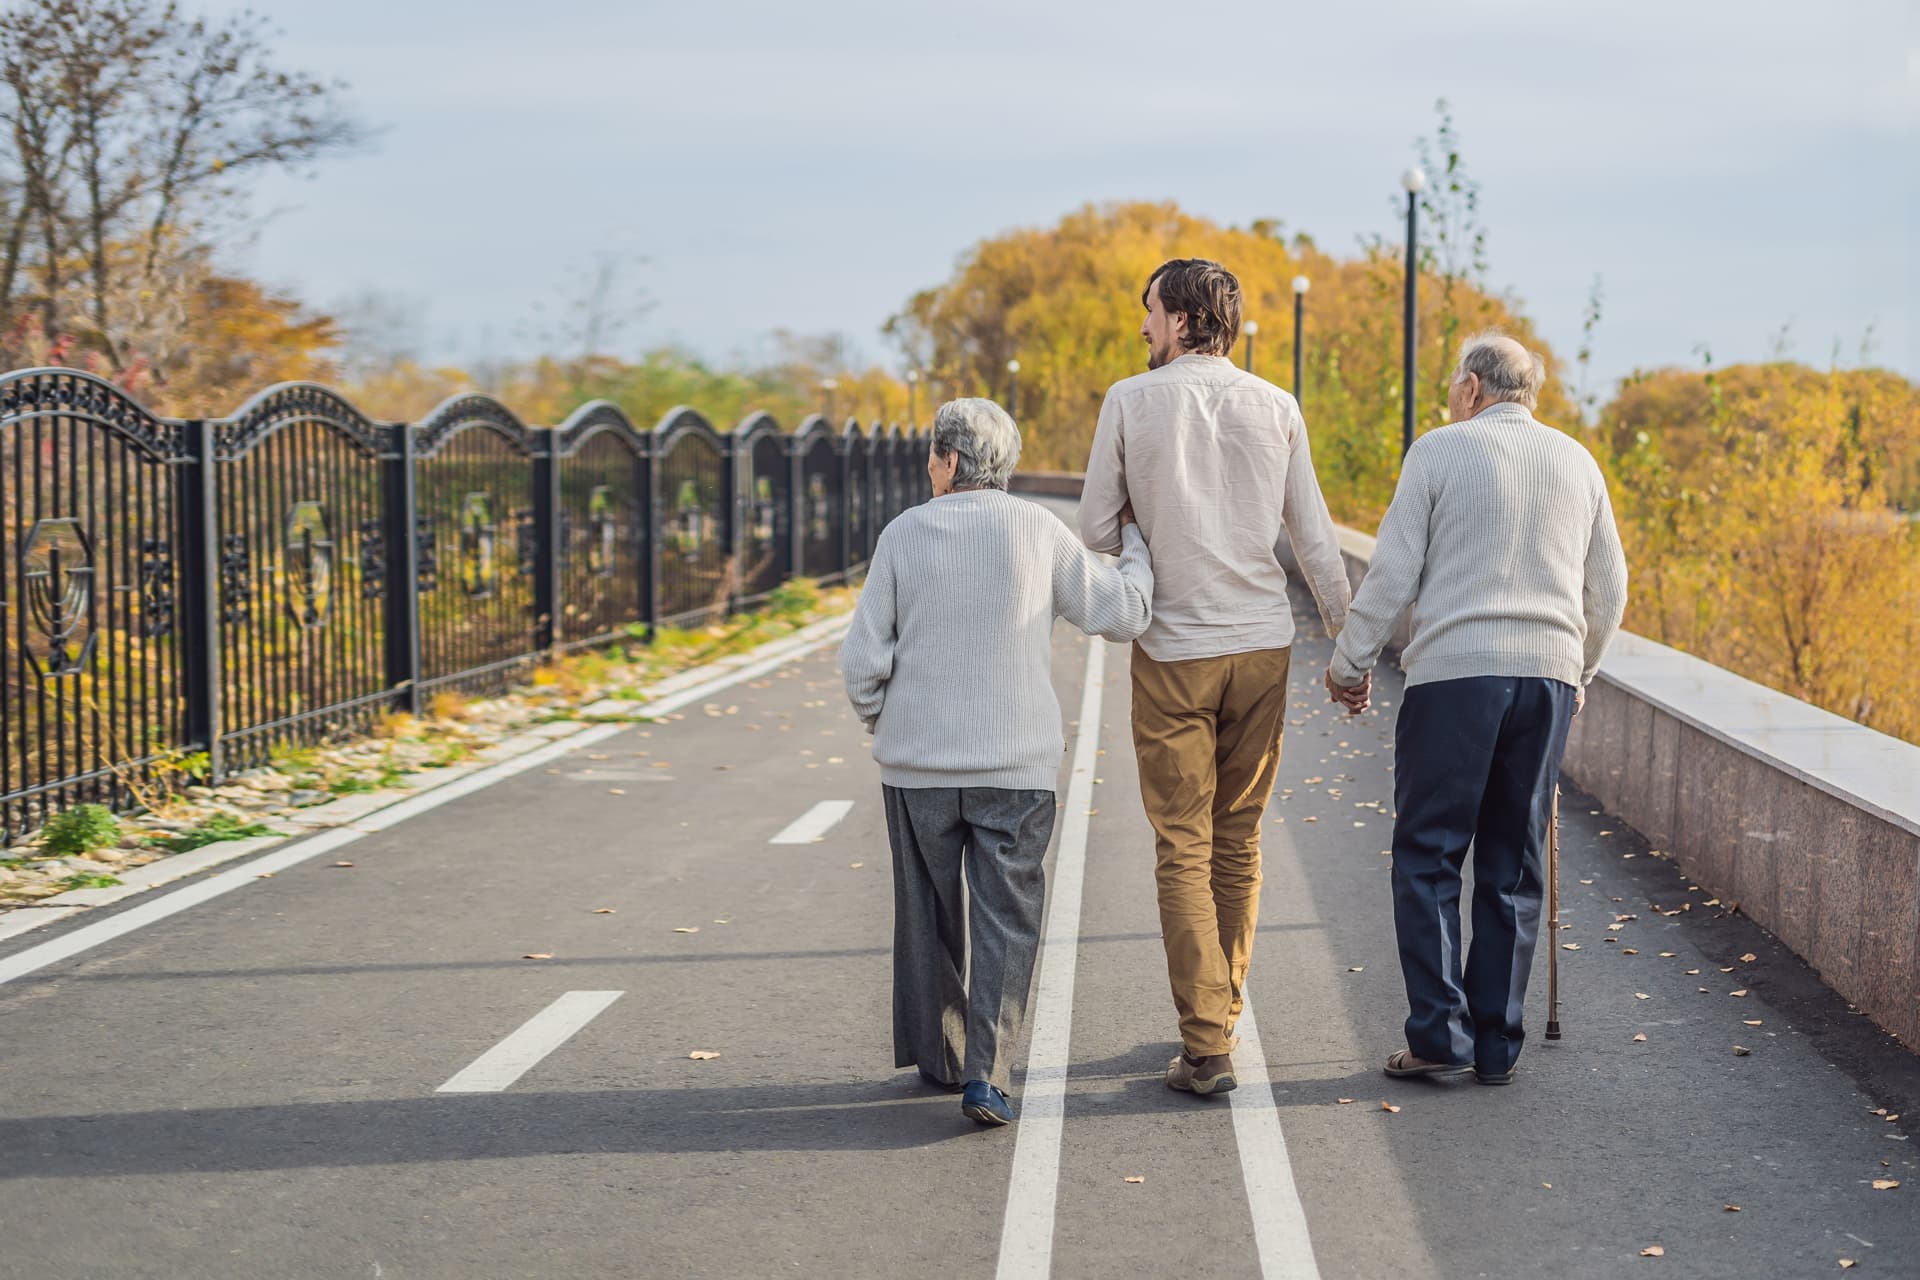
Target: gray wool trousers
[968,888]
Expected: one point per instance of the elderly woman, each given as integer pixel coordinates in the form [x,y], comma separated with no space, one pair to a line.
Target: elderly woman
[949,664]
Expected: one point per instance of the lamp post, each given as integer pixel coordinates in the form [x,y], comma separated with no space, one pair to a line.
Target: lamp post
[1413,180]
[1013,389]
[913,386]
[1251,328]
[827,387]
[1300,306]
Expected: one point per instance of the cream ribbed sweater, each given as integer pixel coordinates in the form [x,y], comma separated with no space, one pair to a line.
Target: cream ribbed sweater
[1502,539]
[949,658]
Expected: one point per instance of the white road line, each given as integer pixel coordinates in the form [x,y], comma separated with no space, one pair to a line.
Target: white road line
[539,1036]
[813,825]
[32,959]
[1026,1238]
[1279,1221]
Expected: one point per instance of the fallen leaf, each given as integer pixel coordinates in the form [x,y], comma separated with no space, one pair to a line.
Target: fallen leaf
[343,864]
[1358,968]
[1344,1101]
[603,911]
[703,1055]
[1641,995]
[688,928]
[855,866]
[1653,1251]
[1388,1106]
[263,875]
[1733,1208]
[1668,955]
[616,791]
[1693,971]
[1547,1185]
[1628,951]
[1748,958]
[1569,946]
[726,921]
[1885,1184]
[1136,1179]
[1641,1038]
[1751,1022]
[1741,1051]
[1740,994]
[1846,1263]
[1586,882]
[538,955]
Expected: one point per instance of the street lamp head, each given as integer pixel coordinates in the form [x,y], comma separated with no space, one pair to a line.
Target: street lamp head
[1013,366]
[1414,180]
[913,375]
[1251,328]
[1301,284]
[829,384]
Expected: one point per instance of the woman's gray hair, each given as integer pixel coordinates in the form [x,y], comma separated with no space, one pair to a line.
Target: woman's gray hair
[1507,370]
[984,437]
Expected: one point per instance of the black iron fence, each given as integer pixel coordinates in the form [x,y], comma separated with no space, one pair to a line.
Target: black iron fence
[229,588]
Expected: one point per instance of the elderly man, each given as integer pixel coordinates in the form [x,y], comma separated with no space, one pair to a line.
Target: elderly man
[1502,539]
[948,663]
[1216,463]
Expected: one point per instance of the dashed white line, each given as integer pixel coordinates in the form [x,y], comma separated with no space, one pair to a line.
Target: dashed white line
[1026,1237]
[539,1036]
[812,826]
[1279,1221]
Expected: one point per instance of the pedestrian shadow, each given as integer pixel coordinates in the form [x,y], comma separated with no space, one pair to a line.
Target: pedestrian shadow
[889,1115]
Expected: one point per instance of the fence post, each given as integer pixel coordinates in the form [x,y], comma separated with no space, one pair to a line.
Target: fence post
[399,501]
[843,526]
[198,505]
[735,503]
[796,506]
[546,526]
[650,525]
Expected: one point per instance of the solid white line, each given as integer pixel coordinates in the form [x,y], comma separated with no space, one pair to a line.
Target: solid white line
[1026,1238]
[812,826]
[1279,1221]
[539,1036]
[87,937]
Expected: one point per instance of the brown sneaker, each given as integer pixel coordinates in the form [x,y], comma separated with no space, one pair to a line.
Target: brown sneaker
[1201,1075]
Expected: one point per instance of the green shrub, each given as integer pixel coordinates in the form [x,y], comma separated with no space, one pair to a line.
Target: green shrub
[221,826]
[81,830]
[81,880]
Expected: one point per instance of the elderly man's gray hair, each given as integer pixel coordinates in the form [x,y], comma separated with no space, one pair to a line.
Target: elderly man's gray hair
[1507,370]
[984,437]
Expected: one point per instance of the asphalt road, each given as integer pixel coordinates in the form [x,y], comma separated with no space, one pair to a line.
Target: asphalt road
[251,1088]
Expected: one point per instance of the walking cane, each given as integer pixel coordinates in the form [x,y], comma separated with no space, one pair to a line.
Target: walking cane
[1553,919]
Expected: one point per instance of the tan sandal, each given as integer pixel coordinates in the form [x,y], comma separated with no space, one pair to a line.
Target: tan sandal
[1403,1065]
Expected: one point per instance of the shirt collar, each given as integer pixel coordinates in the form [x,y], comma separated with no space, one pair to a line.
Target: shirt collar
[1505,411]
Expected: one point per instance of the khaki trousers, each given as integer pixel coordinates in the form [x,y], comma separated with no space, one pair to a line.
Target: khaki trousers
[1207,735]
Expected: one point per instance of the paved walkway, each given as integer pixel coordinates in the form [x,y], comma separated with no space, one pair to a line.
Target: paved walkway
[258,1087]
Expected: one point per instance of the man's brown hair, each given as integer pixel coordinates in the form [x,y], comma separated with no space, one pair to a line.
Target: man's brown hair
[1208,294]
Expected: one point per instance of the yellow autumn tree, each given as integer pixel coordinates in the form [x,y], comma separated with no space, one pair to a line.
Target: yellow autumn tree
[1065,302]
[1759,509]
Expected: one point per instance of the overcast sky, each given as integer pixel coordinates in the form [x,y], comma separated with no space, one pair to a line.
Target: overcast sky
[1729,169]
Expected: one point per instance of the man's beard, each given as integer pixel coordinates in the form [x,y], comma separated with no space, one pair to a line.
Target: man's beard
[1156,356]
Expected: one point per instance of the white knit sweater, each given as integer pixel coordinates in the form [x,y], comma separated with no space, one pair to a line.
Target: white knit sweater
[949,658]
[1502,539]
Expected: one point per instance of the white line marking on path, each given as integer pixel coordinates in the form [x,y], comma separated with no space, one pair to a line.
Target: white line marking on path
[813,825]
[539,1036]
[1026,1238]
[1279,1221]
[85,938]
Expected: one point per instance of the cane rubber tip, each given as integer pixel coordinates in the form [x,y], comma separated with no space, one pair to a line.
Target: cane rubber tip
[1553,1031]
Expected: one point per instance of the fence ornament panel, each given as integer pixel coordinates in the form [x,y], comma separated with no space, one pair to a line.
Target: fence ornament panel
[214,591]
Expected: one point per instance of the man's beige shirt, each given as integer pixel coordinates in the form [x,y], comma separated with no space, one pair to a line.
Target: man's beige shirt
[1217,464]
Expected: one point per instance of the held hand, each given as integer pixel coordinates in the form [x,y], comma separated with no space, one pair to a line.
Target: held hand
[1355,698]
[1126,514]
[1579,700]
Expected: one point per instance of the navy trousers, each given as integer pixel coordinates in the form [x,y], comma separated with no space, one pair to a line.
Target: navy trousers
[1475,762]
